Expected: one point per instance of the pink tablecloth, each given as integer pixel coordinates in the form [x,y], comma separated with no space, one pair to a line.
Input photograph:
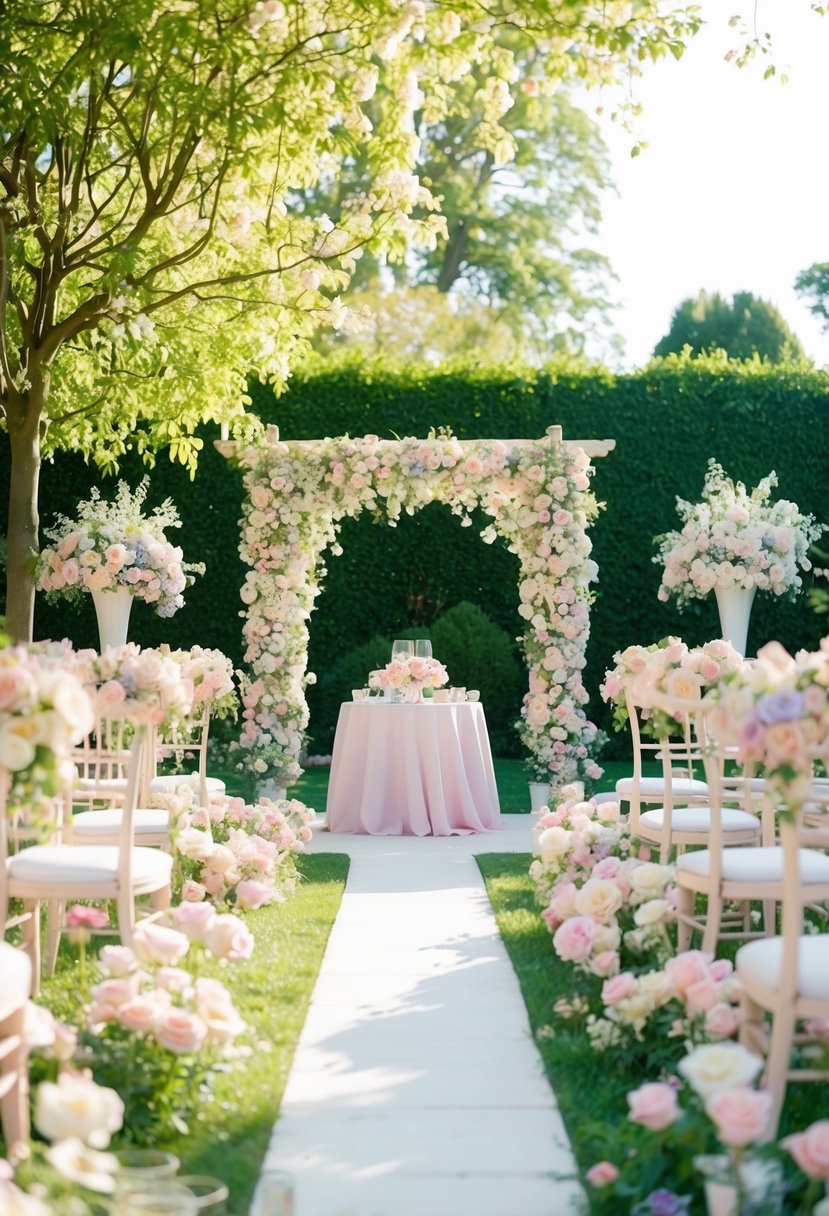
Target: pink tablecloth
[412,770]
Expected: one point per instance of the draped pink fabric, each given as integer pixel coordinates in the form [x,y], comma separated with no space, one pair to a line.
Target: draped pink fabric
[412,770]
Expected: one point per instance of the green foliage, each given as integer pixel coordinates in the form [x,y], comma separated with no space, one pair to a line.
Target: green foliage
[667,421]
[742,327]
[813,283]
[334,685]
[478,654]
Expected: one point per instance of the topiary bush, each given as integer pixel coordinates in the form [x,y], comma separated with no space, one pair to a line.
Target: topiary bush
[478,654]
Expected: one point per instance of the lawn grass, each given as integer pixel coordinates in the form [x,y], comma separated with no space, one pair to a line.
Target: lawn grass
[590,1086]
[272,992]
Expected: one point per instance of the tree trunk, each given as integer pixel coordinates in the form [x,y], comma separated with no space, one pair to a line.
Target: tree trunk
[22,538]
[453,256]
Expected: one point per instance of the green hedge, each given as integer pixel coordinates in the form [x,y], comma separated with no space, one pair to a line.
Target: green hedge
[667,421]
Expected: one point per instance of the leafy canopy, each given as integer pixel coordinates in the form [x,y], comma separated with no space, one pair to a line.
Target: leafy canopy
[742,327]
[152,252]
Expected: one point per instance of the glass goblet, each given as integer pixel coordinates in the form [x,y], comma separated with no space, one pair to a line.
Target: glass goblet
[423,648]
[402,646]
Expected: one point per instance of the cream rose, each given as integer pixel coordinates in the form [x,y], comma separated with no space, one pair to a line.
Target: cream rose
[717,1067]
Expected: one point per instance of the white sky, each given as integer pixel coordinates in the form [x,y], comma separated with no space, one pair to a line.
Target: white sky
[732,192]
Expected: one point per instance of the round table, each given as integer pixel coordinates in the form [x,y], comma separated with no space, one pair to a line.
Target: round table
[412,770]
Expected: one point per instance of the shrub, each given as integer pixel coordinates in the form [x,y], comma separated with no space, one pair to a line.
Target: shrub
[334,685]
[478,654]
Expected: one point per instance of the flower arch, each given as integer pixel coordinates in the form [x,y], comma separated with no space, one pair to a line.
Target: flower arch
[537,495]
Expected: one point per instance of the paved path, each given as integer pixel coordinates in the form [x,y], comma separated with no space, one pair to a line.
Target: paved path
[416,1089]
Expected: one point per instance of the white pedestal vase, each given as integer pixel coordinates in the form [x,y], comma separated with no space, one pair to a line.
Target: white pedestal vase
[275,793]
[112,609]
[539,794]
[734,607]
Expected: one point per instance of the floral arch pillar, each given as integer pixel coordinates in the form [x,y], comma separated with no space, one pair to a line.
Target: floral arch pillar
[537,495]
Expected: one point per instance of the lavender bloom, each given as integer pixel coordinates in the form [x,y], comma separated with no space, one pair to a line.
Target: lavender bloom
[779,707]
[663,1203]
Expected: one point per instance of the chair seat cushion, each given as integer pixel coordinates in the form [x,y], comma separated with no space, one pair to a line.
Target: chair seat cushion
[761,961]
[654,787]
[16,970]
[106,785]
[698,819]
[164,785]
[108,823]
[756,865]
[74,866]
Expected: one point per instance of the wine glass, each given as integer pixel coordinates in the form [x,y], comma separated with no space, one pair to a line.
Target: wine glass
[402,646]
[423,648]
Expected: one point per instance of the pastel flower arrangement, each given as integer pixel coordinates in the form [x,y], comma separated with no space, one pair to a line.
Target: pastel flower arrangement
[211,675]
[709,1124]
[693,998]
[669,667]
[735,539]
[538,498]
[235,853]
[145,686]
[412,674]
[44,712]
[113,544]
[776,712]
[603,906]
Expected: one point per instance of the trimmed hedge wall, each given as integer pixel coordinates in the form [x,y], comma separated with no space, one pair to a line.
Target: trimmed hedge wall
[667,421]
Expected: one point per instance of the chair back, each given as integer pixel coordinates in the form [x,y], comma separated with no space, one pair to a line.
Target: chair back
[679,754]
[126,833]
[102,760]
[175,741]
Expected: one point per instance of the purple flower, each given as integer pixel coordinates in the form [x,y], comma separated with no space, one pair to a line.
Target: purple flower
[663,1203]
[779,707]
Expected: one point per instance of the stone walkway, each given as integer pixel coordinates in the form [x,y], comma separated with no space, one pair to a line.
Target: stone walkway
[416,1089]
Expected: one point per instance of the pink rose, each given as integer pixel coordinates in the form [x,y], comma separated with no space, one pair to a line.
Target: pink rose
[721,969]
[722,1021]
[194,919]
[156,944]
[810,1150]
[109,696]
[619,988]
[701,995]
[217,1011]
[686,969]
[117,960]
[83,916]
[602,1173]
[140,1014]
[741,1115]
[607,868]
[605,963]
[180,1031]
[654,1105]
[573,940]
[192,891]
[251,894]
[229,937]
[173,979]
[115,992]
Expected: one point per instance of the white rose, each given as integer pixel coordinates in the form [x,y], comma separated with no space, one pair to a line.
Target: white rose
[598,899]
[195,843]
[651,913]
[648,880]
[77,1107]
[716,1067]
[553,842]
[16,751]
